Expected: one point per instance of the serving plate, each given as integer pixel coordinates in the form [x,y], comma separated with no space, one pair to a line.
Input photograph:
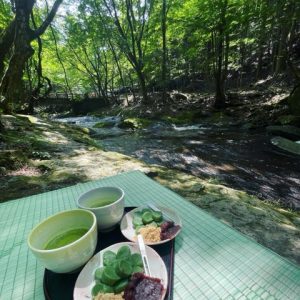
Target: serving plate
[128,230]
[85,280]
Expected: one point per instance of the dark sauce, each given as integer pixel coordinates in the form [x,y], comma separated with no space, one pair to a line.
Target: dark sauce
[168,230]
[142,287]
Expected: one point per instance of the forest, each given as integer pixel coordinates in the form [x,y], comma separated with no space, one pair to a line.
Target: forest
[101,48]
[201,95]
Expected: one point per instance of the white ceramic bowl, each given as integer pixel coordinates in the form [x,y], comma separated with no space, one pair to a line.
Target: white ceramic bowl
[72,256]
[108,215]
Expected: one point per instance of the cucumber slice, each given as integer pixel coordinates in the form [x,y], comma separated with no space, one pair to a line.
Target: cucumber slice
[108,258]
[120,286]
[101,288]
[109,276]
[147,217]
[123,268]
[146,210]
[137,214]
[123,253]
[157,216]
[107,288]
[136,260]
[98,273]
[137,269]
[137,221]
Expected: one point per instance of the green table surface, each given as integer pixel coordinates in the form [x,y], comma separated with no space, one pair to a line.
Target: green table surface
[212,260]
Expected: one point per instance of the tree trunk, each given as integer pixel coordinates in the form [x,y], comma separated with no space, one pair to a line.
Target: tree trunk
[164,51]
[11,87]
[143,88]
[17,39]
[6,41]
[220,93]
[221,58]
[286,29]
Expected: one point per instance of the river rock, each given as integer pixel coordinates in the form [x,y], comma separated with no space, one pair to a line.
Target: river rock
[287,131]
[286,145]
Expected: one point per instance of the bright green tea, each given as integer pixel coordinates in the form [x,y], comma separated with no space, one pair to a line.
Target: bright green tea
[66,238]
[101,202]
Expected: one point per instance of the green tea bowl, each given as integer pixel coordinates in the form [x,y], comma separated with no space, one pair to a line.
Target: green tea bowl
[107,203]
[65,241]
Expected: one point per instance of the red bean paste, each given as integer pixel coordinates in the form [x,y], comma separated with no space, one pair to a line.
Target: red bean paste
[168,230]
[142,287]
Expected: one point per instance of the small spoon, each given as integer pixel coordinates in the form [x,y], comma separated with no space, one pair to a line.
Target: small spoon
[143,254]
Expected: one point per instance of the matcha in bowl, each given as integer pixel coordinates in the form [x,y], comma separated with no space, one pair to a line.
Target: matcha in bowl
[65,241]
[107,203]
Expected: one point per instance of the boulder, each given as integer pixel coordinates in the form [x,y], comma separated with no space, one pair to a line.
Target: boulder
[286,145]
[134,123]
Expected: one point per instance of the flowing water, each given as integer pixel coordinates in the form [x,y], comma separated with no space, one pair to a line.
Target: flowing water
[234,157]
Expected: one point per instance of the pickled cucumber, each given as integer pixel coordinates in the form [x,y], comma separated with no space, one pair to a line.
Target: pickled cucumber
[108,258]
[137,221]
[123,253]
[101,288]
[96,290]
[137,229]
[147,217]
[136,260]
[137,269]
[123,268]
[120,286]
[98,273]
[109,276]
[146,210]
[157,216]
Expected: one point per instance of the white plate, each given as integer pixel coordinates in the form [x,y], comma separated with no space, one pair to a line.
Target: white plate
[85,280]
[129,232]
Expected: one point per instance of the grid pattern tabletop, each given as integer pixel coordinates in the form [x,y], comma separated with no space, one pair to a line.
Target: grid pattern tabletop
[212,260]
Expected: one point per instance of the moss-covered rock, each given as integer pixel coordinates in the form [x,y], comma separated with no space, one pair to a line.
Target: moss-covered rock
[186,117]
[286,145]
[134,123]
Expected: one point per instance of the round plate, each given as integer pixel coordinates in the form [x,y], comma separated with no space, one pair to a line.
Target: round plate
[129,232]
[85,280]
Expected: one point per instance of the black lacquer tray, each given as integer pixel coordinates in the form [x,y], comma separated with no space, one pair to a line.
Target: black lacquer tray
[60,286]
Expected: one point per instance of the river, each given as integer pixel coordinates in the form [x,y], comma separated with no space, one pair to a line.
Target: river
[239,158]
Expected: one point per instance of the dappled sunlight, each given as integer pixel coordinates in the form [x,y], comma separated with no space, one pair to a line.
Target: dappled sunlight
[25,171]
[56,137]
[289,227]
[226,167]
